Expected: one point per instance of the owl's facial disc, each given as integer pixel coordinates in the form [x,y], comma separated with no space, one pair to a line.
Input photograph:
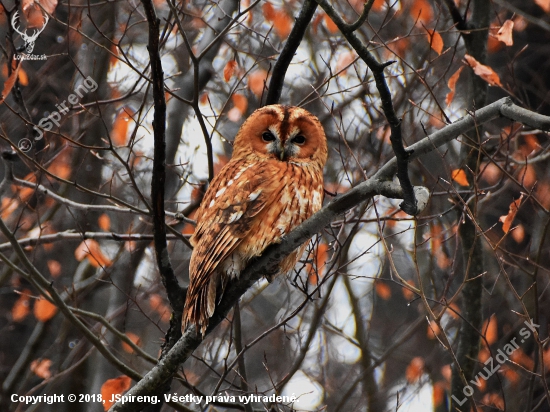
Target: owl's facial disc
[285,148]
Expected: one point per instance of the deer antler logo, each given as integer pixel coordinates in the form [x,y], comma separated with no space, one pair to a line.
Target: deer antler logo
[29,40]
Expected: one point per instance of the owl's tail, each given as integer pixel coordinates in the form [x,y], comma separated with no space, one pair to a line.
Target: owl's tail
[200,304]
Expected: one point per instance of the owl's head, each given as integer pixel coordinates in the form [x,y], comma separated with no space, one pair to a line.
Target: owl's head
[286,133]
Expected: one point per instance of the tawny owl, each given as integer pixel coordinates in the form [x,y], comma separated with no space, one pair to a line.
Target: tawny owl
[273,182]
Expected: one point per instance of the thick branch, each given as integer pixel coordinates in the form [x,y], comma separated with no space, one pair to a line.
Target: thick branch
[402,155]
[377,185]
[291,45]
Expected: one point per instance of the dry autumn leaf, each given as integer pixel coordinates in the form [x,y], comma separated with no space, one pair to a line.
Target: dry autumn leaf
[321,257]
[505,33]
[459,176]
[44,310]
[240,104]
[331,26]
[104,222]
[256,82]
[136,340]
[21,307]
[543,4]
[490,329]
[436,41]
[451,84]
[421,11]
[229,70]
[509,218]
[54,267]
[41,368]
[112,387]
[119,134]
[382,289]
[344,61]
[91,250]
[10,82]
[282,22]
[485,72]
[415,369]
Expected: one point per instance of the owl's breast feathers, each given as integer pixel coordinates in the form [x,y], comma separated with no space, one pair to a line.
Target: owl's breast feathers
[247,207]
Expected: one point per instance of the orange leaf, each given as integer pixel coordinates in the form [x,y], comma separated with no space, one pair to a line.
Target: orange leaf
[229,69]
[344,61]
[433,330]
[407,293]
[494,399]
[91,250]
[320,257]
[241,104]
[54,267]
[421,11]
[485,72]
[41,368]
[490,328]
[61,166]
[382,289]
[269,11]
[509,218]
[439,393]
[256,81]
[119,133]
[21,307]
[112,387]
[505,33]
[331,26]
[459,176]
[415,369]
[134,338]
[23,78]
[104,222]
[436,42]
[518,234]
[157,304]
[544,4]
[451,84]
[10,81]
[44,310]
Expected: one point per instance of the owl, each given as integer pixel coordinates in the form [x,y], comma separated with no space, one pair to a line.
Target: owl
[273,182]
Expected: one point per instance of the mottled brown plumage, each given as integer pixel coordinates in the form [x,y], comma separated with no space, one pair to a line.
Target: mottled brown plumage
[273,182]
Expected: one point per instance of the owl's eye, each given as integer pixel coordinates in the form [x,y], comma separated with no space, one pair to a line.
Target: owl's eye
[299,139]
[268,137]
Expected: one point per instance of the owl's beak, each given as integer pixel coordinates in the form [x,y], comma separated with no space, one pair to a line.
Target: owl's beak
[280,151]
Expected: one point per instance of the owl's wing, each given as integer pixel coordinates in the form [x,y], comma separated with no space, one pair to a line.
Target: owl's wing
[233,200]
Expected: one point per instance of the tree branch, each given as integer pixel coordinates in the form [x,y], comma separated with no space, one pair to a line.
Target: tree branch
[376,185]
[294,39]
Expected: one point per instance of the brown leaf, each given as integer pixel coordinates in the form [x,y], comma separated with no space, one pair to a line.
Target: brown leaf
[256,81]
[436,41]
[21,307]
[543,4]
[41,368]
[134,338]
[157,304]
[382,289]
[112,387]
[104,222]
[505,33]
[485,72]
[490,329]
[509,218]
[451,84]
[439,393]
[229,70]
[119,133]
[44,310]
[282,22]
[331,26]
[415,369]
[240,103]
[344,62]
[91,250]
[421,11]
[459,176]
[54,267]
[10,82]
